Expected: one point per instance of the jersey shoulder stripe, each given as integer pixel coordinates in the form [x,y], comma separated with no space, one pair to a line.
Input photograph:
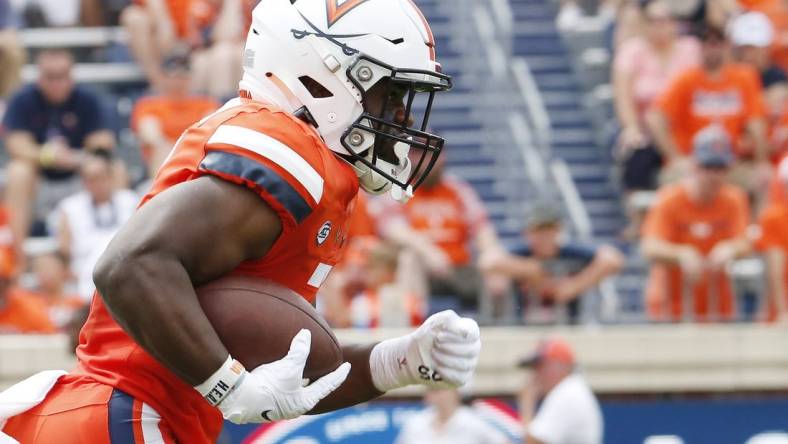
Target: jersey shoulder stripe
[222,163]
[273,150]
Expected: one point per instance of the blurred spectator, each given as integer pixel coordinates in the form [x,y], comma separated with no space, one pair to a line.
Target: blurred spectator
[214,29]
[689,12]
[777,99]
[752,35]
[395,290]
[20,311]
[155,28]
[49,125]
[574,12]
[159,120]
[218,61]
[12,55]
[52,278]
[569,412]
[348,276]
[643,68]
[777,11]
[48,13]
[694,231]
[549,272]
[87,220]
[447,421]
[717,92]
[439,224]
[773,242]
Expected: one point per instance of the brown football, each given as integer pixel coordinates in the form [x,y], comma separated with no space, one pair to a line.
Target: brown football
[256,320]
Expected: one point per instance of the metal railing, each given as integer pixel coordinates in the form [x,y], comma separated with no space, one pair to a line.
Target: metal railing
[513,113]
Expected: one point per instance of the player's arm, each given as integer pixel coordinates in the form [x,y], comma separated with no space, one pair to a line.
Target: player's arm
[442,353]
[148,272]
[147,277]
[357,388]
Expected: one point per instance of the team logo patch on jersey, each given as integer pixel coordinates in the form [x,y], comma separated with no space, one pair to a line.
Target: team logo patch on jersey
[323,233]
[336,9]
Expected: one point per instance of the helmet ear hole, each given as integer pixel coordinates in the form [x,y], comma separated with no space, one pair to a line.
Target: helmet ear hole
[317,90]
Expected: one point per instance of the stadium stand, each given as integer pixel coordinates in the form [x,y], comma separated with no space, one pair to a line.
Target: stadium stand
[531,115]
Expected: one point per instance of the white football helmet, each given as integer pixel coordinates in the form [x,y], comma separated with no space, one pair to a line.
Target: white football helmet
[319,59]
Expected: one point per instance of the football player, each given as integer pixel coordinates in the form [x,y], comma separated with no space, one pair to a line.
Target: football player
[326,106]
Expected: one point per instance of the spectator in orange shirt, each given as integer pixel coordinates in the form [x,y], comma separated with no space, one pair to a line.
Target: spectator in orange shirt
[777,11]
[52,276]
[693,232]
[20,311]
[160,119]
[716,92]
[441,224]
[752,35]
[394,291]
[773,242]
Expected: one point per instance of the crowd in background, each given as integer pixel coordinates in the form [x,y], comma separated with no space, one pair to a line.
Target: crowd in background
[700,95]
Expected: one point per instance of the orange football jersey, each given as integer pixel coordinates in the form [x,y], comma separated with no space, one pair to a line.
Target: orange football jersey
[286,163]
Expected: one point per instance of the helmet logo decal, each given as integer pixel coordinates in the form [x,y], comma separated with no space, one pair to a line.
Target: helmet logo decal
[333,38]
[335,9]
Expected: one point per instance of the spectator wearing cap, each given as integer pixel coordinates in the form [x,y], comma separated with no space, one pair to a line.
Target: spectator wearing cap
[752,35]
[49,125]
[86,221]
[721,92]
[446,225]
[695,229]
[447,421]
[159,120]
[551,272]
[569,412]
[773,244]
[20,310]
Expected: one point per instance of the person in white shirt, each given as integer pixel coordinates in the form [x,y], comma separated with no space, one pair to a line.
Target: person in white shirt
[447,421]
[569,412]
[87,221]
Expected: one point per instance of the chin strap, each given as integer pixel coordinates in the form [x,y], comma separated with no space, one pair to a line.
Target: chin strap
[402,195]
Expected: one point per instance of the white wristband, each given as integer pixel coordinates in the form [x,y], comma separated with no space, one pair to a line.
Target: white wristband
[388,364]
[222,382]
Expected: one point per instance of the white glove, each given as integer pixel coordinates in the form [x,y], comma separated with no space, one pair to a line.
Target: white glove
[274,391]
[442,353]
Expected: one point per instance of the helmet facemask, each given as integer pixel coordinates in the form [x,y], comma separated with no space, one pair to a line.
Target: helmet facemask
[386,144]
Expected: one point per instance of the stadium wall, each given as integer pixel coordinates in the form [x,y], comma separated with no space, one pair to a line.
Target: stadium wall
[618,360]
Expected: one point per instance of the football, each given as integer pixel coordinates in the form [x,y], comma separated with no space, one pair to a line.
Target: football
[257,319]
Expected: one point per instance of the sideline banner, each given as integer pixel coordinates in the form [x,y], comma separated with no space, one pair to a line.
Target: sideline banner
[372,423]
[710,420]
